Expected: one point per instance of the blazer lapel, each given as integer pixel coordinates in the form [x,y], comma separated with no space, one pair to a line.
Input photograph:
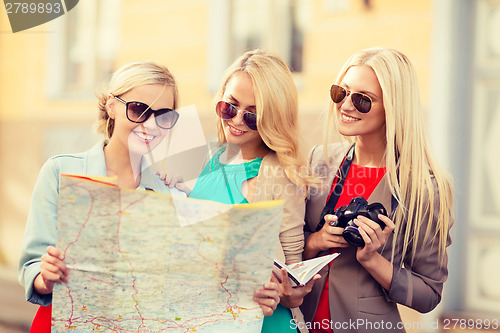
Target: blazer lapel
[382,194]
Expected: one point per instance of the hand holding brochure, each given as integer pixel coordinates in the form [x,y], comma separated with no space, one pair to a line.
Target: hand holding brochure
[302,272]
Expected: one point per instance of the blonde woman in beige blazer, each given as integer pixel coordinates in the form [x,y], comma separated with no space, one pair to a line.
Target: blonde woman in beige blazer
[375,106]
[258,130]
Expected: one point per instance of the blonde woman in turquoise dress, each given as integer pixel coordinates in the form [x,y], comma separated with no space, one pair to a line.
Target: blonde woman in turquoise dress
[259,158]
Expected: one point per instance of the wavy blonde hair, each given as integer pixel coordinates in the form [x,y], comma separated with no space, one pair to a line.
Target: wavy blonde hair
[412,172]
[277,110]
[126,78]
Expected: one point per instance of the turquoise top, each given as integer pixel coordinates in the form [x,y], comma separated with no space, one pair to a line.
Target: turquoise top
[222,182]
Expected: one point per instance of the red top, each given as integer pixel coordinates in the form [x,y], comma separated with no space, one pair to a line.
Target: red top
[42,321]
[360,182]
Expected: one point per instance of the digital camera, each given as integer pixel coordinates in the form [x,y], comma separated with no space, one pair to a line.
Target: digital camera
[347,214]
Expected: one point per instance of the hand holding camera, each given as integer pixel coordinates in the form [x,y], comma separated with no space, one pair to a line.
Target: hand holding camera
[357,207]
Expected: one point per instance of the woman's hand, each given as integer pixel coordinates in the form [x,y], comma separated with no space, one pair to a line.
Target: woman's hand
[53,270]
[174,181]
[373,235]
[292,297]
[268,298]
[379,268]
[328,237]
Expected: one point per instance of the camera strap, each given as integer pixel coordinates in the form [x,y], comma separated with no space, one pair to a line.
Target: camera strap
[337,190]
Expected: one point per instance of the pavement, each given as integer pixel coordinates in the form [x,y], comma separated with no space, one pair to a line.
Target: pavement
[16,314]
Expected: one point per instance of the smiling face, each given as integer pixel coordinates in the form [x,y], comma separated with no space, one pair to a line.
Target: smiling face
[141,138]
[351,122]
[239,92]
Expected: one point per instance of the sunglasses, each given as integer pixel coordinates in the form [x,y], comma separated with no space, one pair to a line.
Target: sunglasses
[361,102]
[138,112]
[228,111]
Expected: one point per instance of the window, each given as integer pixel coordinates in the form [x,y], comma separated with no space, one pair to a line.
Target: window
[241,25]
[82,48]
[484,198]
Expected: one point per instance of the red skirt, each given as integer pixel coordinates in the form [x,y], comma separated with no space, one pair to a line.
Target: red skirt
[42,321]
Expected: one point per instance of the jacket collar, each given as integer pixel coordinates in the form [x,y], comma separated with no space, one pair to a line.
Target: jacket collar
[95,163]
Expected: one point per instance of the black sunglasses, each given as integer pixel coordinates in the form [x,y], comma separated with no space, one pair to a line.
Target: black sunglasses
[138,112]
[361,102]
[227,111]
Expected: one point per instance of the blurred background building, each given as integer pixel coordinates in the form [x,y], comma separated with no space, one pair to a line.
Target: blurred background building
[48,75]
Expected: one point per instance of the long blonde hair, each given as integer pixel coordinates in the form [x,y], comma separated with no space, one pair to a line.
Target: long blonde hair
[277,110]
[413,175]
[126,78]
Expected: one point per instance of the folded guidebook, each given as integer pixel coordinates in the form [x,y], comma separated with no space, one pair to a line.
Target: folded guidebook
[302,272]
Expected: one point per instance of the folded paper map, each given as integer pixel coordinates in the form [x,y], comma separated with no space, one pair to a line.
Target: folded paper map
[135,268]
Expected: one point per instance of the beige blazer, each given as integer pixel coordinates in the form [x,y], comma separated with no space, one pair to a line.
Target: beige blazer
[357,302]
[273,184]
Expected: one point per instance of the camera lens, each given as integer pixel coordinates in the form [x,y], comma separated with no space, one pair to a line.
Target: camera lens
[352,236]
